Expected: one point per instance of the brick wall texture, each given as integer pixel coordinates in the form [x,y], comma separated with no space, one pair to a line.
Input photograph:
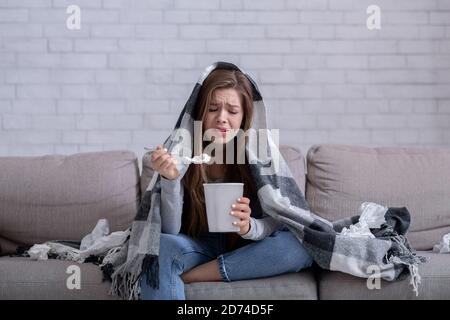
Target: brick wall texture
[121,80]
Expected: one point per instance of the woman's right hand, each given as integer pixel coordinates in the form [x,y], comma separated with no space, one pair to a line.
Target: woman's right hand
[164,163]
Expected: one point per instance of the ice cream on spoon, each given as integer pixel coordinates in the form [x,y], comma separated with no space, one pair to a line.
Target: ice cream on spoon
[203,158]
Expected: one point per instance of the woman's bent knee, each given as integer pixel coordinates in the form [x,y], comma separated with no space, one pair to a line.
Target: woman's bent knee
[173,245]
[295,256]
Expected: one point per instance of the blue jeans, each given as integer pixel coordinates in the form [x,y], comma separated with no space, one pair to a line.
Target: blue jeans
[279,253]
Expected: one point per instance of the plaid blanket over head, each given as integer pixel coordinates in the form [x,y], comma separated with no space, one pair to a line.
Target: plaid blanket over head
[281,198]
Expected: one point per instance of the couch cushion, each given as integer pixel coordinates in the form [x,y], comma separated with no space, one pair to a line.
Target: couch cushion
[23,278]
[341,177]
[290,286]
[57,197]
[292,155]
[435,283]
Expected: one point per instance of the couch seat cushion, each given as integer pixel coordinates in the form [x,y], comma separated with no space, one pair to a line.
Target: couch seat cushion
[290,286]
[435,283]
[23,278]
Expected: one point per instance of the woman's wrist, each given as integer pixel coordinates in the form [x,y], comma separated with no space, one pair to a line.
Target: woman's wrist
[248,230]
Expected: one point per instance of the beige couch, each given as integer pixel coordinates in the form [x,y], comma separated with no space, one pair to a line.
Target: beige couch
[62,197]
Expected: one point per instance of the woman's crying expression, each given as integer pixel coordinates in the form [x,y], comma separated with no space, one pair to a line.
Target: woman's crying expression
[224,115]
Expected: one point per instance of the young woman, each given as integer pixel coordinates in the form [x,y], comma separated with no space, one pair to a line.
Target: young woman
[188,252]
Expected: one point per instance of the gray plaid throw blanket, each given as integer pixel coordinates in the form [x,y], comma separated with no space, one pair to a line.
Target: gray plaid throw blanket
[281,198]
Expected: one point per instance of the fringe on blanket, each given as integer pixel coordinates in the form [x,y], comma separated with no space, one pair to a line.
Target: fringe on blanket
[407,257]
[150,266]
[125,283]
[125,277]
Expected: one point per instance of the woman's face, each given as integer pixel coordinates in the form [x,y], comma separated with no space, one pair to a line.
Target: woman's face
[224,113]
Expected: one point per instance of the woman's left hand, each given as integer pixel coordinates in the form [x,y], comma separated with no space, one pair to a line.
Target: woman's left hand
[241,210]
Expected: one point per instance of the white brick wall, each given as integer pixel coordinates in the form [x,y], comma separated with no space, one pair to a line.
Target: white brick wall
[121,81]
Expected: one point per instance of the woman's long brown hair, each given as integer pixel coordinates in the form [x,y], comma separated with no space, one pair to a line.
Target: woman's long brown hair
[194,215]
